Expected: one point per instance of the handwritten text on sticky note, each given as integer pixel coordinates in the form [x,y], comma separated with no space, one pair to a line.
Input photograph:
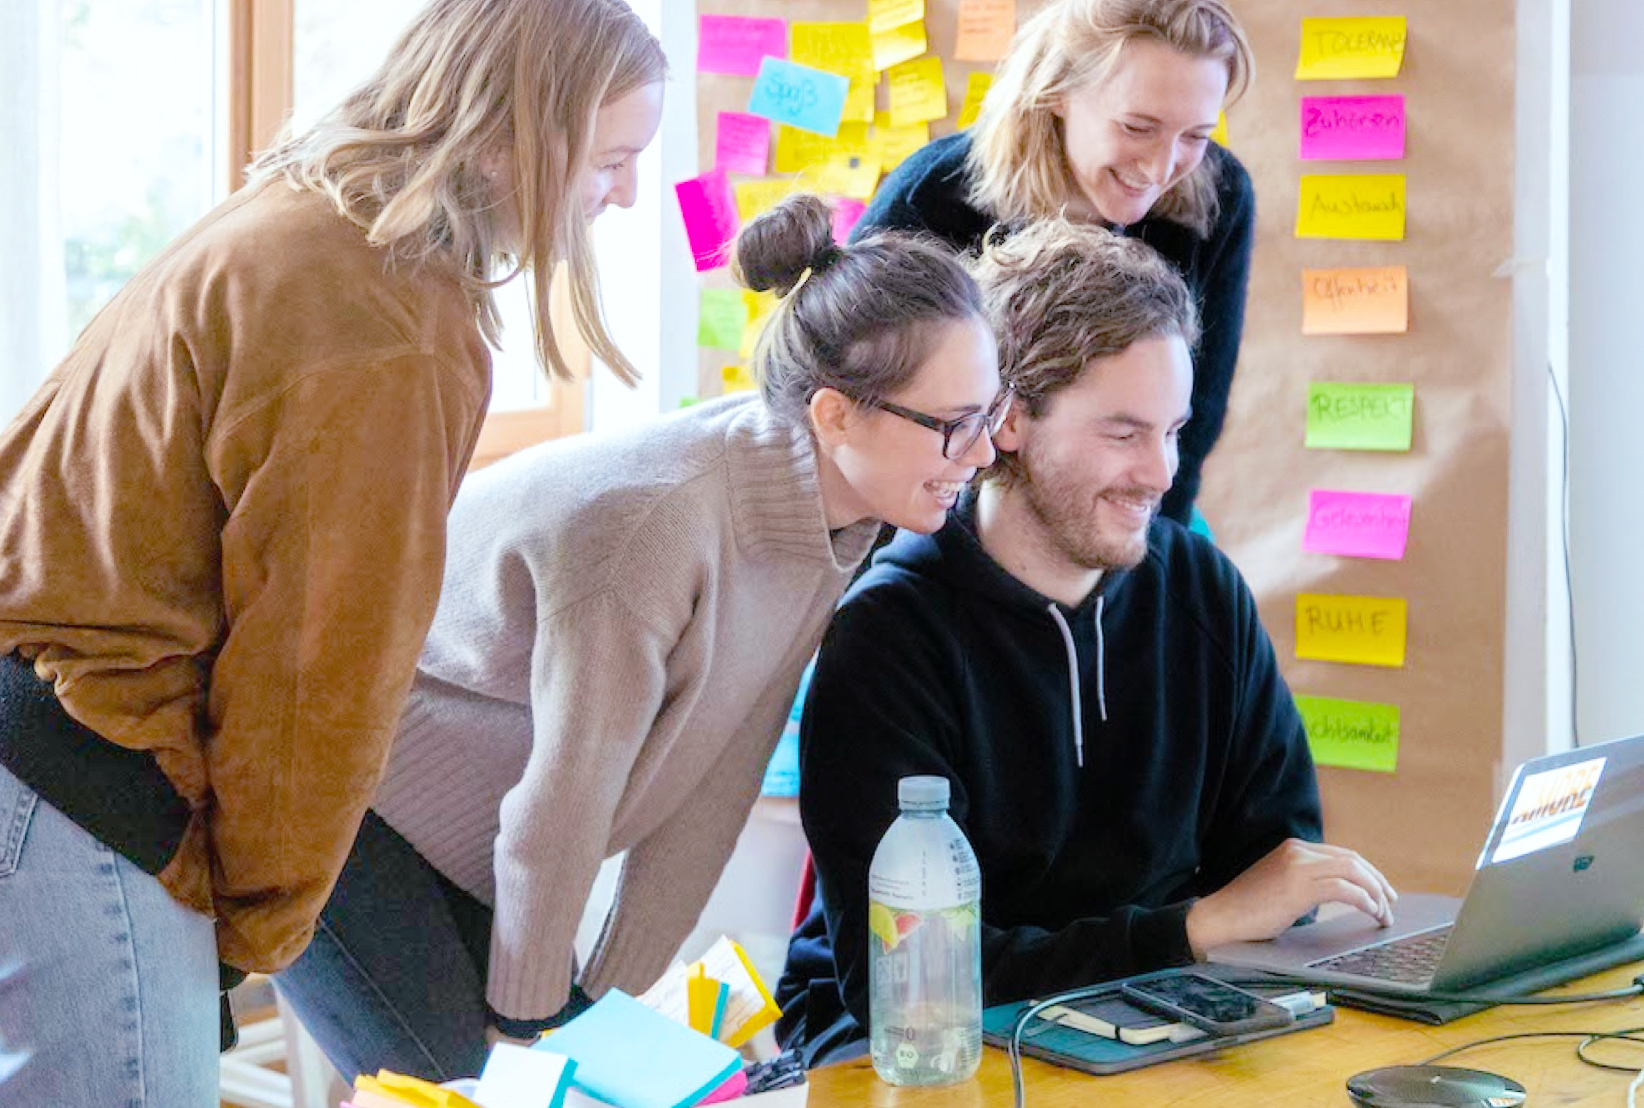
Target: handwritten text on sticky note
[885,14]
[894,144]
[754,198]
[917,93]
[1370,301]
[1360,417]
[735,44]
[976,90]
[1352,128]
[1352,734]
[985,30]
[711,223]
[742,144]
[1364,630]
[1343,49]
[799,96]
[798,150]
[1351,206]
[899,44]
[845,49]
[1357,524]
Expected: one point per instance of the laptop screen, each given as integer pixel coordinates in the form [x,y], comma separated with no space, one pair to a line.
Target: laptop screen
[1544,810]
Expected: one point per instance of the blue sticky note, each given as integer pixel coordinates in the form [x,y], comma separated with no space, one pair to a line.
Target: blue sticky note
[628,1054]
[799,96]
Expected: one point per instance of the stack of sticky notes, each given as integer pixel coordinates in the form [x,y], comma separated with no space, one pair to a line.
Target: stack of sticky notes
[721,995]
[632,1056]
[395,1090]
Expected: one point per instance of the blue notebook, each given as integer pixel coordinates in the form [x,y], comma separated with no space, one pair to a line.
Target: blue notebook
[630,1056]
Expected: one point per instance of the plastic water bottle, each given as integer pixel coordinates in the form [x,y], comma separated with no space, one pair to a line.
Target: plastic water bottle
[924,943]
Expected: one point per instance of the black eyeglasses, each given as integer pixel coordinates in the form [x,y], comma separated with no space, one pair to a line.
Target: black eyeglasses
[958,435]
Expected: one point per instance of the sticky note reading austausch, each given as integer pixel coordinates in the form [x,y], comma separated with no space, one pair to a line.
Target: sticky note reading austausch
[1357,524]
[1344,49]
[1360,417]
[1364,630]
[721,319]
[1351,206]
[1352,734]
[1368,301]
[1352,128]
[917,92]
[735,44]
[743,144]
[845,49]
[985,30]
[709,208]
[799,96]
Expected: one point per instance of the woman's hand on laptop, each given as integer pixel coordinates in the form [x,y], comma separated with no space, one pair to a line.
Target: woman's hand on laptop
[1292,880]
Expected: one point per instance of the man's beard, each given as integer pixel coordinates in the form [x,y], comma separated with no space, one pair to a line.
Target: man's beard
[1068,515]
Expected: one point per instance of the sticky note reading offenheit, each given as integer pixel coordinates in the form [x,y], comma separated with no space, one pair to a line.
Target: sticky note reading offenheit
[847,213]
[1343,49]
[1352,734]
[721,317]
[1352,128]
[1357,524]
[799,96]
[735,44]
[897,45]
[1364,630]
[976,90]
[894,144]
[743,144]
[985,29]
[1374,301]
[885,14]
[1351,206]
[845,49]
[711,222]
[917,94]
[1360,417]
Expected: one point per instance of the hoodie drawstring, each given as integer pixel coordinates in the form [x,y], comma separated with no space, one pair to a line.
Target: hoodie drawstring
[1073,677]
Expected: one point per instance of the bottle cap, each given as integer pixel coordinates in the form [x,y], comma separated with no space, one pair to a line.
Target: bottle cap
[922,793]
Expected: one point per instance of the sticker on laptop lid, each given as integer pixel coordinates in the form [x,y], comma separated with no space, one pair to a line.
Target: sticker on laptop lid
[1548,809]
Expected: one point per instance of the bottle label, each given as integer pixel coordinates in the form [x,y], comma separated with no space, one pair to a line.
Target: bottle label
[892,925]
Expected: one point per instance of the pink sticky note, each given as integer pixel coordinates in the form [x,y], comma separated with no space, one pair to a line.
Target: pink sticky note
[744,143]
[846,213]
[734,44]
[1352,128]
[1357,524]
[709,207]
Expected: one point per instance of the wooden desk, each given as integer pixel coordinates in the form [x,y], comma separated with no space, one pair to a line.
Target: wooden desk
[1309,1068]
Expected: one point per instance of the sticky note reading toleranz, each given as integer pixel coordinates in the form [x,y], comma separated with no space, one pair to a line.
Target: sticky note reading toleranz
[1369,301]
[1343,49]
[1363,630]
[1352,734]
[1360,417]
[1351,206]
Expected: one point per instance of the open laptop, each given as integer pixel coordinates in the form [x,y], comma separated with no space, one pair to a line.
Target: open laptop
[1558,893]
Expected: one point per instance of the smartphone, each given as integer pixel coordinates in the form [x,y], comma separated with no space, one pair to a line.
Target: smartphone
[1215,1006]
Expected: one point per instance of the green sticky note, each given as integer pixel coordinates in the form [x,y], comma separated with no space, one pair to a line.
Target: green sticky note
[723,316]
[1353,734]
[1360,417]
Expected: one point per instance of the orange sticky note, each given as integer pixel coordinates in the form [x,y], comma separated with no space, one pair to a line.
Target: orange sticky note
[1373,301]
[985,29]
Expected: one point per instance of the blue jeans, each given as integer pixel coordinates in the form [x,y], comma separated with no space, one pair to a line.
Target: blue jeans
[108,986]
[395,976]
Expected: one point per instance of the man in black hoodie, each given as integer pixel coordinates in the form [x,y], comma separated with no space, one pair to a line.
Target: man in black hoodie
[1093,681]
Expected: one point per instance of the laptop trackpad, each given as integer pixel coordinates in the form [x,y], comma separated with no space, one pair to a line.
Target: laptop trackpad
[1339,929]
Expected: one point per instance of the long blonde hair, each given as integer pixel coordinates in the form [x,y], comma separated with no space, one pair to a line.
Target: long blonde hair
[470,79]
[1018,163]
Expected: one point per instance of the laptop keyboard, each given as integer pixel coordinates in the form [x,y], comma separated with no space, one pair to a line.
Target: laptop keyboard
[1411,960]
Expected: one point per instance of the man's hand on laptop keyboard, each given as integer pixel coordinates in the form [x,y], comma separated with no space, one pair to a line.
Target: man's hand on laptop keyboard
[1292,880]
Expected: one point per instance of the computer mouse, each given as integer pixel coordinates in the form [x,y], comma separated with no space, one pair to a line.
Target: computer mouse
[1433,1087]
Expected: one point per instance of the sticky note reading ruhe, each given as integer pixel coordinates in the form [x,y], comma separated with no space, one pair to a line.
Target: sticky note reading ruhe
[1352,128]
[1372,301]
[1357,524]
[1360,417]
[1352,734]
[1343,49]
[1363,630]
[1351,206]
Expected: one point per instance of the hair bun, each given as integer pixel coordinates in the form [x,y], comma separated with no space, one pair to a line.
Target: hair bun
[773,251]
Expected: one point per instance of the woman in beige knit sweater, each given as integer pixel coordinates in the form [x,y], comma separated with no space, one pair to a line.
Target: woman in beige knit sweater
[623,627]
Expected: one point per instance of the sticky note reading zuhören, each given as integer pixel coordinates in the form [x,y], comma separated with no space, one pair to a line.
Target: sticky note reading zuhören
[1352,128]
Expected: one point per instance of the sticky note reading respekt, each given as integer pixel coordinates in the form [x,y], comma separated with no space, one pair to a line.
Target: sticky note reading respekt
[1351,206]
[1357,524]
[709,208]
[1362,301]
[1344,49]
[1352,734]
[1344,416]
[985,30]
[742,144]
[1362,630]
[799,96]
[736,44]
[1352,128]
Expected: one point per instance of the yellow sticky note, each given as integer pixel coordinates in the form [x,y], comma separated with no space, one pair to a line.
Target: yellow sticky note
[842,48]
[1365,630]
[1219,135]
[797,149]
[760,195]
[1344,49]
[412,1092]
[843,175]
[1352,734]
[1351,206]
[899,44]
[985,30]
[760,307]
[892,145]
[736,378]
[917,94]
[976,89]
[885,14]
[1369,301]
